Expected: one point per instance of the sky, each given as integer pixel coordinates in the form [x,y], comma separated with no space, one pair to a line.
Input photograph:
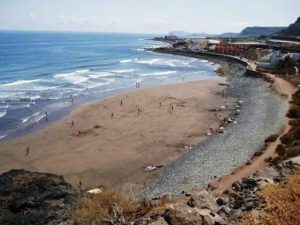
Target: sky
[146,16]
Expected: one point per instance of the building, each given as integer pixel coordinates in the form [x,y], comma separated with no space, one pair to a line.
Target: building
[230,49]
[270,60]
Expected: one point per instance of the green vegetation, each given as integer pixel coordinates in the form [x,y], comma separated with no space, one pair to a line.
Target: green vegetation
[286,66]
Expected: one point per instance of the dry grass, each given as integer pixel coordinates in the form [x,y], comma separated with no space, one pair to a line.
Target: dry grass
[108,208]
[283,204]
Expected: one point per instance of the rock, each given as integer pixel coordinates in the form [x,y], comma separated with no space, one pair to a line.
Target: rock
[203,199]
[182,215]
[206,220]
[225,209]
[262,182]
[215,218]
[191,203]
[221,201]
[35,198]
[159,221]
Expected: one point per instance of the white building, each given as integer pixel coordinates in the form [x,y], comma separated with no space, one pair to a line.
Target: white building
[270,60]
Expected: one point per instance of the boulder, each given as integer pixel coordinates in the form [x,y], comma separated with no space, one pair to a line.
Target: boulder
[206,220]
[182,215]
[203,200]
[214,217]
[35,198]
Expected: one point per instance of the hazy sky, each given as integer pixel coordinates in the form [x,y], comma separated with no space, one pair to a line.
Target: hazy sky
[146,16]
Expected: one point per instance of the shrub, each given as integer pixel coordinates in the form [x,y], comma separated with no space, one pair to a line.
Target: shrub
[258,153]
[293,151]
[280,150]
[294,122]
[109,207]
[294,111]
[272,138]
[287,139]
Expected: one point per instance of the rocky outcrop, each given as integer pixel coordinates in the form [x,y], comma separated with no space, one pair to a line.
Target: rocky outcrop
[35,198]
[292,30]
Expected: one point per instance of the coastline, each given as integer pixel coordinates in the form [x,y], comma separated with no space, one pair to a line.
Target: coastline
[240,88]
[93,151]
[263,114]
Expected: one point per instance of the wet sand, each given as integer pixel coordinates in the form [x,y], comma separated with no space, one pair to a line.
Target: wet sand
[110,142]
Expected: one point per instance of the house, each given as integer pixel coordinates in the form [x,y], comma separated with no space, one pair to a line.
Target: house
[270,60]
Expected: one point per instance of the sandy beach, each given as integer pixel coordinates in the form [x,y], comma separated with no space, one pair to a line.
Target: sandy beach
[111,141]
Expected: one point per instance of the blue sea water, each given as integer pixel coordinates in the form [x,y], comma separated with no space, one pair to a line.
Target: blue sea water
[42,71]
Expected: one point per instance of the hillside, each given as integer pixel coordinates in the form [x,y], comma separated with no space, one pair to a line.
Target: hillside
[258,31]
[292,30]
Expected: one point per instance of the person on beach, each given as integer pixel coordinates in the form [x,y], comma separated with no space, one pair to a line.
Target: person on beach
[138,111]
[46,114]
[72,100]
[159,104]
[121,103]
[72,123]
[27,151]
[172,107]
[112,115]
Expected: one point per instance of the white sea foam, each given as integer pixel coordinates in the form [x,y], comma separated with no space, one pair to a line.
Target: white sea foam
[2,113]
[123,71]
[139,49]
[19,82]
[91,85]
[96,75]
[2,136]
[34,97]
[24,120]
[159,73]
[125,60]
[74,77]
[82,71]
[149,62]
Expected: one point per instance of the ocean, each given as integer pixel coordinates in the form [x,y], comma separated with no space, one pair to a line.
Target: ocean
[54,72]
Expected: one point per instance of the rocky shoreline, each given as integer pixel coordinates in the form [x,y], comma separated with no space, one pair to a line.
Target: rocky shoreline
[262,114]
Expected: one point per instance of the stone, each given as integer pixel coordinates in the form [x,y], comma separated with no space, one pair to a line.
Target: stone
[215,218]
[159,221]
[221,201]
[206,220]
[203,199]
[182,215]
[225,209]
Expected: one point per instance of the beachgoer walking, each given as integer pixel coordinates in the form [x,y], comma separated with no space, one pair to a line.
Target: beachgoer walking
[72,100]
[27,151]
[72,123]
[46,114]
[121,103]
[112,115]
[159,104]
[172,107]
[138,111]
